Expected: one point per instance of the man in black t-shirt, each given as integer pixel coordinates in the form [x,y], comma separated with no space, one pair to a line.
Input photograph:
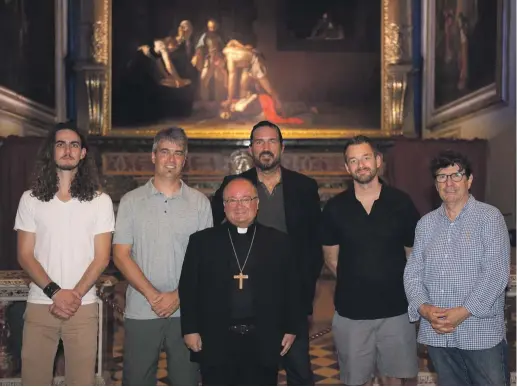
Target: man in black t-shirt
[367,232]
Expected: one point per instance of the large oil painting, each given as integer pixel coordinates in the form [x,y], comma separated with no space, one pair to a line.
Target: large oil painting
[466,57]
[27,46]
[219,66]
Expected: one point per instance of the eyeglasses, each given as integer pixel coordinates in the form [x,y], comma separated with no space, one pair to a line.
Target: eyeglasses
[246,201]
[456,176]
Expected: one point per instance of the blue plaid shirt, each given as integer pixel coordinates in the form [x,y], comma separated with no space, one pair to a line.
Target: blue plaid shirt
[465,262]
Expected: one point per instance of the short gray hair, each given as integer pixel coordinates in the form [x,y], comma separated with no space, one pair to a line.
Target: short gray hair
[174,134]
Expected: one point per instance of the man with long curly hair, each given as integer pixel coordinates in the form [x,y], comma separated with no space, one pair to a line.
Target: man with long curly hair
[64,226]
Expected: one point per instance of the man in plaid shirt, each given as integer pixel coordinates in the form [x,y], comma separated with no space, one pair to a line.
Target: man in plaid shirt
[456,278]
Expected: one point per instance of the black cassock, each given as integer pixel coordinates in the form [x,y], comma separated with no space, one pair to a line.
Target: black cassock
[241,329]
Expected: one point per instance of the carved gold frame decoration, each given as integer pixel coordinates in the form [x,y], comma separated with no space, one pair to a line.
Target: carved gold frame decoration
[392,49]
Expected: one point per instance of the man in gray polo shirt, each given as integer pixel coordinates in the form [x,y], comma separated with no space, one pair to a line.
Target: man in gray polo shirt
[154,223]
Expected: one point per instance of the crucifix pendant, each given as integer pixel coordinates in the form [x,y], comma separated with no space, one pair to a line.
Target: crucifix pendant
[240,277]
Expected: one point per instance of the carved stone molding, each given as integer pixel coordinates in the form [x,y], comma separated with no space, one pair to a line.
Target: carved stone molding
[30,116]
[216,164]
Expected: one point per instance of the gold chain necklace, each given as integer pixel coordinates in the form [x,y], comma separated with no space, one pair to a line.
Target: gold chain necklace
[241,276]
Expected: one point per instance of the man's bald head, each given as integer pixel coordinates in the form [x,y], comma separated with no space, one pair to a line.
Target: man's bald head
[239,184]
[240,202]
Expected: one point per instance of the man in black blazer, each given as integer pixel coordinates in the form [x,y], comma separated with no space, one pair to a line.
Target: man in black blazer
[240,308]
[289,202]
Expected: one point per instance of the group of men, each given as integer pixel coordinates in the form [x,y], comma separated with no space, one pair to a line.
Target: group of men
[226,287]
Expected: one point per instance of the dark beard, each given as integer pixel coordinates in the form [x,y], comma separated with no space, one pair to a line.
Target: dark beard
[266,167]
[365,179]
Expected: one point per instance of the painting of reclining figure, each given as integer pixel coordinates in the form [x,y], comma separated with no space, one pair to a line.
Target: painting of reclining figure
[225,64]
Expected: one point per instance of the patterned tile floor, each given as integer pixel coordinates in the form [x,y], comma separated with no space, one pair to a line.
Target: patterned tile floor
[324,364]
[322,352]
[323,358]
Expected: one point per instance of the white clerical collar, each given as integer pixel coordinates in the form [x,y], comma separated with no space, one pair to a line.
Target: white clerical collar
[242,230]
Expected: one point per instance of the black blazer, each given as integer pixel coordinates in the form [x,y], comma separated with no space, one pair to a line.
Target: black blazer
[205,291]
[302,216]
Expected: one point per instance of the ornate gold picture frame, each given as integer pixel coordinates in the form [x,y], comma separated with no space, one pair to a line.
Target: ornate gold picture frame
[394,73]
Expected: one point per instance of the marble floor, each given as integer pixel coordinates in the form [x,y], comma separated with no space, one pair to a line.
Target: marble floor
[322,351]
[324,362]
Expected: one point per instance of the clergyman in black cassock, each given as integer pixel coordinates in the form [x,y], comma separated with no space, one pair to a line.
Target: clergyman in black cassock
[239,295]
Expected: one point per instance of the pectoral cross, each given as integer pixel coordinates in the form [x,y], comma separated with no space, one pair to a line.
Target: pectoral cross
[240,277]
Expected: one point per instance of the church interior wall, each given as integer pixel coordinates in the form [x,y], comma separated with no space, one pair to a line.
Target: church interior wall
[10,128]
[498,125]
[28,71]
[125,163]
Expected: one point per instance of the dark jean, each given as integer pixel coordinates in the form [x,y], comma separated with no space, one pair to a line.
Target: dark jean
[458,367]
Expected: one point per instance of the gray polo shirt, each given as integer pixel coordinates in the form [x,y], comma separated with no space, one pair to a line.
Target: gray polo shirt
[158,228]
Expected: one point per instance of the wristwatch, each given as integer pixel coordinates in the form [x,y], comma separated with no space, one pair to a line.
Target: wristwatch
[51,289]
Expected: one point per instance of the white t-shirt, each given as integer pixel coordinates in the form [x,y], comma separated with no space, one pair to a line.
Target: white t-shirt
[64,238]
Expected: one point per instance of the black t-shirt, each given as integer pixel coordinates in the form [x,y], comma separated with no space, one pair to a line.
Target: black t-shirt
[371,257]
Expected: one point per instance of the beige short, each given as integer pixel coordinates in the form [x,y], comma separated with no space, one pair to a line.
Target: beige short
[383,347]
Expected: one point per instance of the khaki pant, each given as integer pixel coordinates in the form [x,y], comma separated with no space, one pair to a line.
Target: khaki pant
[41,334]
